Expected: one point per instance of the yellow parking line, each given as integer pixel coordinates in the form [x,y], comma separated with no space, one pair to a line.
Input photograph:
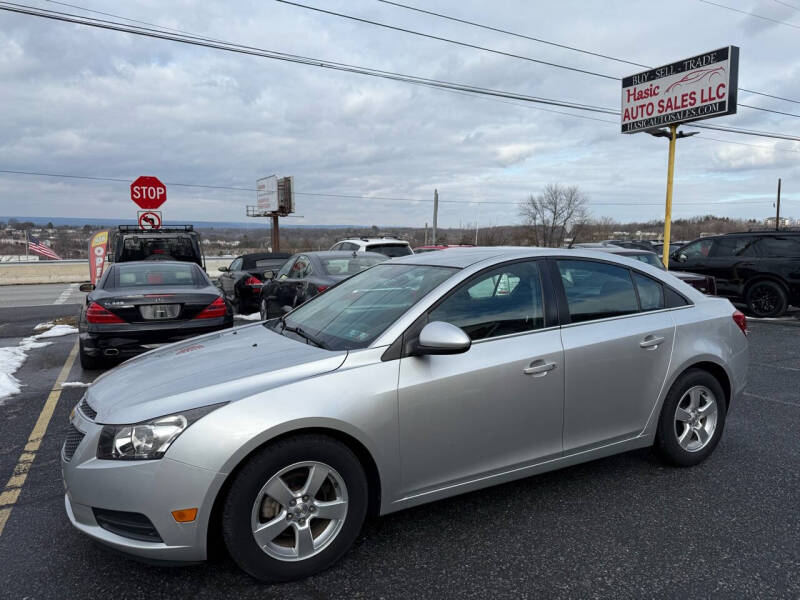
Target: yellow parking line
[13,488]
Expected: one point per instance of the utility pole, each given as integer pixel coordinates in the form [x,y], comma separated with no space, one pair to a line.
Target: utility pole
[778,213]
[435,214]
[426,233]
[276,236]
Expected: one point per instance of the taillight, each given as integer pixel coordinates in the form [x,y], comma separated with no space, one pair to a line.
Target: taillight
[740,320]
[216,309]
[97,314]
[253,281]
[321,288]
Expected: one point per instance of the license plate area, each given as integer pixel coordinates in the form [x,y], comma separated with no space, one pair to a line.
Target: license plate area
[159,312]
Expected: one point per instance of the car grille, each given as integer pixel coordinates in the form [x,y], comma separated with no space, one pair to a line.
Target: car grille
[74,438]
[87,410]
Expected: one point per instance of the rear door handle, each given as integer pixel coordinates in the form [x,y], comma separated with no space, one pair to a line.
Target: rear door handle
[539,368]
[651,342]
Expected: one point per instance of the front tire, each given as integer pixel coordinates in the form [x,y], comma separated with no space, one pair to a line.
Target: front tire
[294,508]
[692,419]
[767,299]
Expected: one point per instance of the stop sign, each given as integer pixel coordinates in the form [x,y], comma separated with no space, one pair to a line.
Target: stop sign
[148,192]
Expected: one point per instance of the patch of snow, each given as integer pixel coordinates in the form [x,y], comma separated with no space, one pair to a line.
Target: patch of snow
[74,384]
[57,331]
[42,326]
[250,317]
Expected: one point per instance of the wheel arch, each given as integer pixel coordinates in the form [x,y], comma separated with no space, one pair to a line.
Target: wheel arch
[765,277]
[214,534]
[718,372]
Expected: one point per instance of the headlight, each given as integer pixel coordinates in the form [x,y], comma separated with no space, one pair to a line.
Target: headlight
[148,440]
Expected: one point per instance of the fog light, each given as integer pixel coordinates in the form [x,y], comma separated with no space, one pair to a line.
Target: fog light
[185,515]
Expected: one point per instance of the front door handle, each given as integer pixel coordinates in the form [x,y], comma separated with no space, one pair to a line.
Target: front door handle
[539,368]
[651,342]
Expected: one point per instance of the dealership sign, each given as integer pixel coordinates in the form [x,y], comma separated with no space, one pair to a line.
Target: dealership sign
[267,194]
[700,87]
[97,255]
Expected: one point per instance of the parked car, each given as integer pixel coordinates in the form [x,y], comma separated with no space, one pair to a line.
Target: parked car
[176,242]
[702,283]
[138,306]
[412,381]
[761,268]
[433,248]
[242,280]
[306,275]
[632,244]
[390,247]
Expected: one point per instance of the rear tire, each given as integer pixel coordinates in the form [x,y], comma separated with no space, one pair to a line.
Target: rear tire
[692,419]
[264,309]
[767,299]
[90,363]
[281,494]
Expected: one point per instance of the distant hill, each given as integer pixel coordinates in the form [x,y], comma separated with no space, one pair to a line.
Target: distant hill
[81,221]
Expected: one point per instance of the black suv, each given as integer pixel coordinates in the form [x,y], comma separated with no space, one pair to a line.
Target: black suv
[761,268]
[177,242]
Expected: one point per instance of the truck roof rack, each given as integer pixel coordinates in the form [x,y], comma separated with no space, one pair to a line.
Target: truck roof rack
[170,229]
[772,230]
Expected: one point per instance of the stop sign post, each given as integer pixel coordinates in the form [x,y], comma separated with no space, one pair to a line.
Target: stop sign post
[148,192]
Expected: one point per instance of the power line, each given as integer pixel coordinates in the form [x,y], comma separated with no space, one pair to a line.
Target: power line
[792,6]
[448,40]
[351,196]
[550,43]
[485,49]
[750,14]
[252,51]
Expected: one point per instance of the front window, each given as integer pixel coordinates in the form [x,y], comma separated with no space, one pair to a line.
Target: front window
[156,274]
[354,313]
[390,250]
[350,265]
[698,249]
[650,259]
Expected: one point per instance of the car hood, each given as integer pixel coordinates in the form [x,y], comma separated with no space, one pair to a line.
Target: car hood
[209,369]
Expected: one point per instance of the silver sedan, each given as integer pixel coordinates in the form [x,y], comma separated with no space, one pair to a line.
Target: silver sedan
[419,379]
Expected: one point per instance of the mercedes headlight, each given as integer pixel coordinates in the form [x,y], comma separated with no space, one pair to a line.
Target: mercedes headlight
[148,440]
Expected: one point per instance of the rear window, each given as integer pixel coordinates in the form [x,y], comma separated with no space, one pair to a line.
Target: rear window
[269,263]
[597,290]
[167,248]
[155,274]
[349,265]
[390,250]
[780,246]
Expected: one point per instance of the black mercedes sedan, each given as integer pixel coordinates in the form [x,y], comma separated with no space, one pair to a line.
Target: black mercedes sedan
[306,275]
[138,306]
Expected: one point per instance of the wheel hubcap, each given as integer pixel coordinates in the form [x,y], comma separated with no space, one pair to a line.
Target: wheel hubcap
[299,511]
[765,300]
[696,418]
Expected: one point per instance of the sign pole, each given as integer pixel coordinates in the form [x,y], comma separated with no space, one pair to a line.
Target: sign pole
[673,129]
[276,236]
[778,212]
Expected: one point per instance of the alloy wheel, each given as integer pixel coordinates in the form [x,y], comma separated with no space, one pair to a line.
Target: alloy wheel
[299,511]
[764,299]
[696,418]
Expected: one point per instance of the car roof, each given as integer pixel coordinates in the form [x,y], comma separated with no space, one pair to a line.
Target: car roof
[263,255]
[626,251]
[378,240]
[159,262]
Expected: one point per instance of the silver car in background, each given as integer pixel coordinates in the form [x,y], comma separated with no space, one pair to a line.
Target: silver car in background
[419,379]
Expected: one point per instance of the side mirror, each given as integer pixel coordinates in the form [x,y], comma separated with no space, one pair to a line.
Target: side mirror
[223,269]
[439,337]
[679,257]
[269,274]
[86,287]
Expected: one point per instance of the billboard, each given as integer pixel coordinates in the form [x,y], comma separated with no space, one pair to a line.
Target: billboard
[267,194]
[695,88]
[286,195]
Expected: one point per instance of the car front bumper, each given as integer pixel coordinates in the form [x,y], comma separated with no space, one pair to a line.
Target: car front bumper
[153,488]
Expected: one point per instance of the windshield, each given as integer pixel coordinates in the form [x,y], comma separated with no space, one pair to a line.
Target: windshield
[649,258]
[350,265]
[354,313]
[156,274]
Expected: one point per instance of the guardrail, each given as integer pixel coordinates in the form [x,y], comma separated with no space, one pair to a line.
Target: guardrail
[70,271]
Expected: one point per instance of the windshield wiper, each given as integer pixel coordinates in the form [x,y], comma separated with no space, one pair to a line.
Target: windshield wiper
[310,339]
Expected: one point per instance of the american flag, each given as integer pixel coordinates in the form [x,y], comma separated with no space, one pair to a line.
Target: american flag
[35,245]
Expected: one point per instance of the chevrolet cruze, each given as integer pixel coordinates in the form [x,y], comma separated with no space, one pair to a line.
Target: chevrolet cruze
[418,379]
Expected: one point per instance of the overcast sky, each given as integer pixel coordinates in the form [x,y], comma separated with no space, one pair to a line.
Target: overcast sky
[84,101]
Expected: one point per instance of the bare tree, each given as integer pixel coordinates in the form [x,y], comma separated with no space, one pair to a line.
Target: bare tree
[553,213]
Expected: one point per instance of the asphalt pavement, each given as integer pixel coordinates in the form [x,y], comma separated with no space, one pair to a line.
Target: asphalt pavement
[620,527]
[46,294]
